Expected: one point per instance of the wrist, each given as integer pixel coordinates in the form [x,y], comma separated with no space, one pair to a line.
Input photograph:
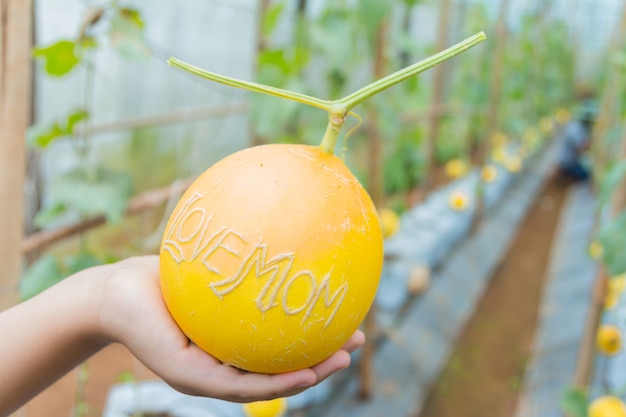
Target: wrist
[122,296]
[80,294]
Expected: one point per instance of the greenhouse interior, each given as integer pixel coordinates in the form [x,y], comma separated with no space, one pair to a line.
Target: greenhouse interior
[439,230]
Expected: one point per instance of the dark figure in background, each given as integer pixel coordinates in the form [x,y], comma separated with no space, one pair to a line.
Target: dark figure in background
[575,142]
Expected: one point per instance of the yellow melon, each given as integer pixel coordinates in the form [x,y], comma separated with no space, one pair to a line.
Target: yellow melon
[608,339]
[271,408]
[607,406]
[389,221]
[272,258]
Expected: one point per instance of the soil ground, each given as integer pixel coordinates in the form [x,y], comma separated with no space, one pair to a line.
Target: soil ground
[484,374]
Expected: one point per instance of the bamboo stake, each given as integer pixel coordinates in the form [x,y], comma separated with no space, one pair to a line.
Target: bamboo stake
[495,85]
[405,57]
[437,100]
[261,40]
[584,367]
[261,46]
[366,364]
[3,17]
[619,199]
[33,180]
[375,145]
[536,77]
[477,113]
[302,5]
[15,87]
[493,105]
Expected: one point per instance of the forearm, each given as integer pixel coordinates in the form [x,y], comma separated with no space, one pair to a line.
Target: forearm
[44,338]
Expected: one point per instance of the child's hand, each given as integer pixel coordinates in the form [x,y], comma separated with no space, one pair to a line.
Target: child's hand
[48,335]
[132,312]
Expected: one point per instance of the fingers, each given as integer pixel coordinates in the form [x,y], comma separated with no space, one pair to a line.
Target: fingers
[264,387]
[335,363]
[197,373]
[355,342]
[205,376]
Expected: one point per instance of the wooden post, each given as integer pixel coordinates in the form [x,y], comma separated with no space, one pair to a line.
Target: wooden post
[15,88]
[261,45]
[437,100]
[495,86]
[584,367]
[405,56]
[536,76]
[376,192]
[302,4]
[375,177]
[619,198]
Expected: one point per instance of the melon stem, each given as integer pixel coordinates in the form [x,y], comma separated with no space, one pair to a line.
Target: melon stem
[336,119]
[359,96]
[337,110]
[340,108]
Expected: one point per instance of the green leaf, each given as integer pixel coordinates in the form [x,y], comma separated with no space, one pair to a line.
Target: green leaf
[126,377]
[613,239]
[132,15]
[372,12]
[48,215]
[41,275]
[270,116]
[301,57]
[38,136]
[48,270]
[106,194]
[273,61]
[271,18]
[82,409]
[611,180]
[83,375]
[74,118]
[60,57]
[41,136]
[574,402]
[88,42]
[404,167]
[126,34]
[618,59]
[332,38]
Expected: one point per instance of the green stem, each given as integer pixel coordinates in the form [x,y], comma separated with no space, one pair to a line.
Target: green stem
[251,86]
[337,109]
[397,77]
[336,119]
